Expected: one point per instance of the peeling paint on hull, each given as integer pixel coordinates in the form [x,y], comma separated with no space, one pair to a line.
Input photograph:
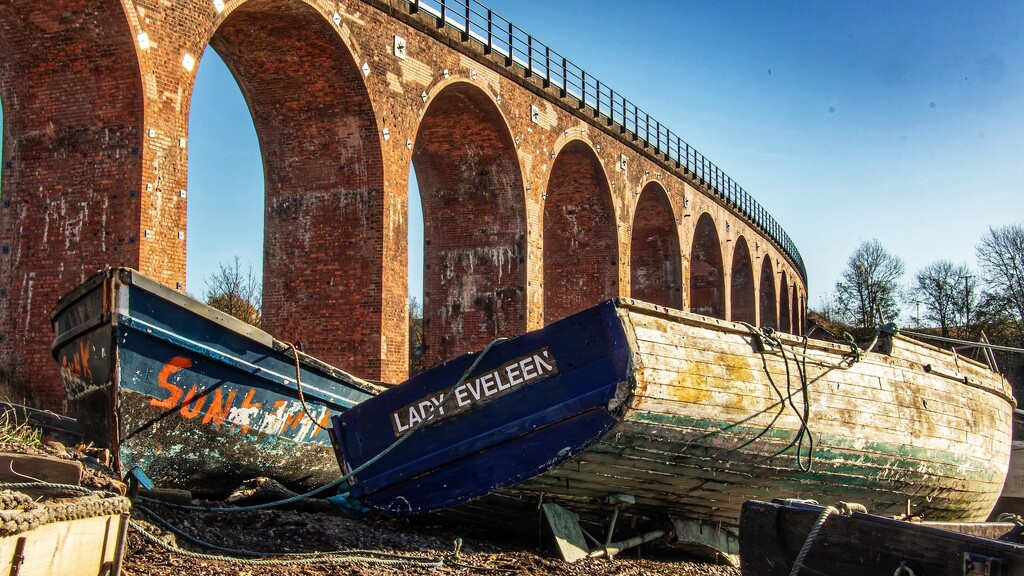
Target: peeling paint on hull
[196,399]
[712,422]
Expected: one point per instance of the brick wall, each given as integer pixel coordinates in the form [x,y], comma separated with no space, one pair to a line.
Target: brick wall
[768,304]
[655,257]
[474,221]
[785,317]
[580,239]
[72,160]
[743,307]
[707,282]
[323,179]
[533,208]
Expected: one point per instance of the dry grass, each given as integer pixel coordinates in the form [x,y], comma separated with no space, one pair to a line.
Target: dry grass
[13,432]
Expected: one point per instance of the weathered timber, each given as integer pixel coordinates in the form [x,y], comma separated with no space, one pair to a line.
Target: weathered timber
[706,415]
[772,535]
[195,398]
[52,425]
[82,547]
[32,467]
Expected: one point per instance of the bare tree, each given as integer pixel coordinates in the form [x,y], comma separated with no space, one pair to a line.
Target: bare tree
[868,288]
[236,292]
[947,293]
[1001,259]
[824,321]
[415,337]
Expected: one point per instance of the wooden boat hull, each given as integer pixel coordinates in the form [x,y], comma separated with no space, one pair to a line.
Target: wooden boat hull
[715,414]
[531,403]
[713,421]
[194,398]
[772,536]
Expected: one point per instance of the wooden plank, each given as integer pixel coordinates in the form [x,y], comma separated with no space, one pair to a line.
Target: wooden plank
[605,469]
[85,547]
[712,361]
[16,467]
[667,385]
[909,430]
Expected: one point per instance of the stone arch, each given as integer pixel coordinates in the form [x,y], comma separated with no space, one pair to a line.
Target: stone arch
[70,164]
[225,176]
[707,280]
[654,256]
[785,317]
[474,216]
[324,178]
[580,236]
[742,297]
[768,307]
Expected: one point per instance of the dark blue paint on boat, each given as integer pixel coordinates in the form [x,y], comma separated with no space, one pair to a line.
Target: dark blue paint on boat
[192,396]
[494,442]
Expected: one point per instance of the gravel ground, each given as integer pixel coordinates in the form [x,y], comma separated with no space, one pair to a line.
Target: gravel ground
[317,529]
[296,532]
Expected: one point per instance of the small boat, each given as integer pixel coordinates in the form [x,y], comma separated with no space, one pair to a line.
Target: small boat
[530,403]
[683,416]
[774,536]
[190,396]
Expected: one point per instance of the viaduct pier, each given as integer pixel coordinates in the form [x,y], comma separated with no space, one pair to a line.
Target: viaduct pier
[543,189]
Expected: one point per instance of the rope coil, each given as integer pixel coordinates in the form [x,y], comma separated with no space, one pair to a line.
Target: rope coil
[19,513]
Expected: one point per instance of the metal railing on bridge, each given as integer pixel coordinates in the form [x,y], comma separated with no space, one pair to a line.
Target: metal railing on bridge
[478,23]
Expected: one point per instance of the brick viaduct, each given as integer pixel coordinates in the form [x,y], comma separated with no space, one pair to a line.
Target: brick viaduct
[536,201]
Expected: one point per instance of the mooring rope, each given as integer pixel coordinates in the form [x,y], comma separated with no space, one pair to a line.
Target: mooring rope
[298,385]
[805,428]
[800,363]
[811,537]
[314,558]
[398,441]
[20,513]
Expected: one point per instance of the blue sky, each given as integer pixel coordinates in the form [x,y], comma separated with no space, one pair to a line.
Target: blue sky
[847,120]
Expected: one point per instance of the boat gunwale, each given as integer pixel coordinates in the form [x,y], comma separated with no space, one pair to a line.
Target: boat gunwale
[718,324]
[115,307]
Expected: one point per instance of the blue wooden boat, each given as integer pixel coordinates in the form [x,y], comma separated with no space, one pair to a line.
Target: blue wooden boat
[531,403]
[193,397]
[683,417]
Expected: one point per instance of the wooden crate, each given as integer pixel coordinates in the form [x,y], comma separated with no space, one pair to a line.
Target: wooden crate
[85,547]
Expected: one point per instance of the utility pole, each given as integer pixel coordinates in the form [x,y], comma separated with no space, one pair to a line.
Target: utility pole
[967,304]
